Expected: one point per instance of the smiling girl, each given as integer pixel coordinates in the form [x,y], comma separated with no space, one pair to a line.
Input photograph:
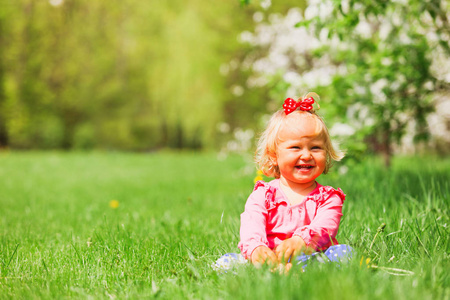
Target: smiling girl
[292,216]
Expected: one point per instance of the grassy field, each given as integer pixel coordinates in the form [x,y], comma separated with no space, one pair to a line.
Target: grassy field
[62,237]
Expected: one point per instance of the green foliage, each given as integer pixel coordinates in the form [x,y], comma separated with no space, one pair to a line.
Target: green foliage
[124,75]
[375,64]
[59,238]
[389,63]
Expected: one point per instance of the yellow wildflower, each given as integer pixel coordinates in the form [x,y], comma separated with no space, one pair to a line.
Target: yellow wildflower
[114,204]
[257,178]
[367,262]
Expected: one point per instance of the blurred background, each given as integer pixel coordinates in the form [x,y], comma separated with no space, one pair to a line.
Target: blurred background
[148,75]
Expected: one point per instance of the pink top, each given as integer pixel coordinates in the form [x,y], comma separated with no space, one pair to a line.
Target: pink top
[269,219]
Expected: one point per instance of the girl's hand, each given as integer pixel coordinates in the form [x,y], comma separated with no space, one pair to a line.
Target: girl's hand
[289,248]
[263,254]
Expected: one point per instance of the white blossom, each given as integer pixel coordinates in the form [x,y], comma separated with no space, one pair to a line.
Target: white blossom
[429,85]
[56,2]
[377,90]
[237,90]
[265,4]
[386,61]
[343,170]
[405,39]
[292,78]
[242,141]
[246,37]
[318,8]
[364,29]
[258,16]
[224,69]
[360,90]
[438,120]
[341,129]
[359,116]
[345,4]
[319,76]
[385,30]
[223,127]
[257,81]
[288,52]
[397,19]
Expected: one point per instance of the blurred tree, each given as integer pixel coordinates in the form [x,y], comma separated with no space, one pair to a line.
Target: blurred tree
[131,75]
[4,141]
[376,64]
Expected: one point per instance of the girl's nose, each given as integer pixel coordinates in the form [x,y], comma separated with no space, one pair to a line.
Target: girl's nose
[305,155]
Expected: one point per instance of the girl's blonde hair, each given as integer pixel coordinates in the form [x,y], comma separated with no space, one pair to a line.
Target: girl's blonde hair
[268,142]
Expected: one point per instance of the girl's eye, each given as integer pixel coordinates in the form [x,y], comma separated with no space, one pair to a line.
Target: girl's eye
[316,147]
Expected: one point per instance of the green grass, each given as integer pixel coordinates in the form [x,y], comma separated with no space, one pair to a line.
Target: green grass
[178,212]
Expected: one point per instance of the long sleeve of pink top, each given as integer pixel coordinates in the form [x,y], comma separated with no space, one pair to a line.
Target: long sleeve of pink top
[269,219]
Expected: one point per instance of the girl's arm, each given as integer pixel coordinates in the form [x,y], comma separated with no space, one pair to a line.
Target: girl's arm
[253,224]
[324,227]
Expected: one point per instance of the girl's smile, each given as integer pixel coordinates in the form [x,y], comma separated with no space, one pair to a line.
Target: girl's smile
[304,168]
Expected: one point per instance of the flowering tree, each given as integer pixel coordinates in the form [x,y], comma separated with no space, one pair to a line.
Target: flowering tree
[381,66]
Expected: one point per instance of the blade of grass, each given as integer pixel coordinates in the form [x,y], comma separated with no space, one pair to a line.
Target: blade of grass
[10,259]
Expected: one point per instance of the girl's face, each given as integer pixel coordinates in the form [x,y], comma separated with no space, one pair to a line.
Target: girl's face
[300,154]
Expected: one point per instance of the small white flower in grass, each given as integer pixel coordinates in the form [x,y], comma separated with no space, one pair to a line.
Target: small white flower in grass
[155,288]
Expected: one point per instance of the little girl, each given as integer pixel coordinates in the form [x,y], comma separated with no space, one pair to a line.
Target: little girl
[292,214]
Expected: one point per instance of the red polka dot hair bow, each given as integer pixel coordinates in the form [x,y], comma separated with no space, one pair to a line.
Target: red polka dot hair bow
[290,105]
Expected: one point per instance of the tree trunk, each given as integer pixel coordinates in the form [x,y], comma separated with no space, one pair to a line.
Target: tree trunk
[387,147]
[4,139]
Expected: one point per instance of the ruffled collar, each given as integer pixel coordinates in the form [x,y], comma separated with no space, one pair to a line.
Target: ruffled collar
[274,195]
